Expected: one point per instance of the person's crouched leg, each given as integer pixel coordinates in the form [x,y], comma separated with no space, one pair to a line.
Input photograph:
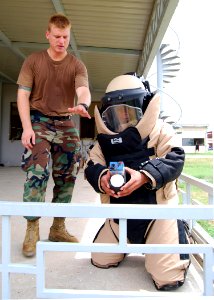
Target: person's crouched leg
[168,271]
[108,233]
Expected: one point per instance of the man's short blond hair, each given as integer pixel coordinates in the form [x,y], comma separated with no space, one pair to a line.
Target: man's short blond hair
[59,20]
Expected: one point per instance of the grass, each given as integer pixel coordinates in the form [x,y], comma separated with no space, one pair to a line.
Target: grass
[208,153]
[201,168]
[208,226]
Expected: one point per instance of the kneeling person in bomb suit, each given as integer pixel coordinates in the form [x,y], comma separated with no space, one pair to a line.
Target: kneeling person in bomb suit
[130,131]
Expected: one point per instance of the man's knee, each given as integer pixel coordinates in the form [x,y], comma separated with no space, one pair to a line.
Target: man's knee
[108,233]
[106,260]
[167,270]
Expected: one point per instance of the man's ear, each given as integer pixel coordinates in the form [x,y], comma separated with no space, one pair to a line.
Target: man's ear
[47,34]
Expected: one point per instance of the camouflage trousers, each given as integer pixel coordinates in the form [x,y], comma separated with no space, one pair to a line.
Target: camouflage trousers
[57,140]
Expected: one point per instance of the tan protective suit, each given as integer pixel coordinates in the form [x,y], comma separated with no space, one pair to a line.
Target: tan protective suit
[167,270]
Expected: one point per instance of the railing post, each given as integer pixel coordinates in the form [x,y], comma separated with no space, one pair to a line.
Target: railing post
[123,232]
[188,193]
[210,199]
[40,271]
[208,273]
[6,249]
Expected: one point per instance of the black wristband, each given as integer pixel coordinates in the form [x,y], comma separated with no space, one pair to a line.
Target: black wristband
[84,105]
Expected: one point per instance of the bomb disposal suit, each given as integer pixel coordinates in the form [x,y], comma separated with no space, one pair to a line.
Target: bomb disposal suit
[129,130]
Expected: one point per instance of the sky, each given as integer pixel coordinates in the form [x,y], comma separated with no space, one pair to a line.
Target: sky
[191,34]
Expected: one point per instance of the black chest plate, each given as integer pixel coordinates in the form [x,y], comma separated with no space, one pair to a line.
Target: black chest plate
[126,146]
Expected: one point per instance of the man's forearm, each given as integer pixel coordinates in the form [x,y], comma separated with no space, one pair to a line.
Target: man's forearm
[24,109]
[84,96]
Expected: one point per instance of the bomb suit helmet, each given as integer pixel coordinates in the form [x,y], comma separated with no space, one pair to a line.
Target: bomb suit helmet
[124,102]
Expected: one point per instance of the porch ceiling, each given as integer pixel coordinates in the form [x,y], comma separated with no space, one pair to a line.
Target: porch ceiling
[110,37]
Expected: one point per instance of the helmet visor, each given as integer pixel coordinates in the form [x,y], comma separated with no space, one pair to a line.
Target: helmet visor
[119,117]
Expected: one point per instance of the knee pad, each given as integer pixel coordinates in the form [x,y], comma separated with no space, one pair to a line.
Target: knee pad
[167,270]
[168,287]
[108,233]
[106,266]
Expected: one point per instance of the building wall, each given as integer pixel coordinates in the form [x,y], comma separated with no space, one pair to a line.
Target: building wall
[194,132]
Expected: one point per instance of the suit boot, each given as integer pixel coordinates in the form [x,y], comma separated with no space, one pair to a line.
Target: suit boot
[31,238]
[58,232]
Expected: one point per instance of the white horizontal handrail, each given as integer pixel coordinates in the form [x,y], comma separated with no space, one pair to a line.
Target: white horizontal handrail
[203,185]
[120,211]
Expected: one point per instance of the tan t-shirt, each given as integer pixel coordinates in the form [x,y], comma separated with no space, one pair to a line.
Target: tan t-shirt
[52,83]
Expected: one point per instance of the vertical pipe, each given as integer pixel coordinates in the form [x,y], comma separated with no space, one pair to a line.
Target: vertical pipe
[6,246]
[160,79]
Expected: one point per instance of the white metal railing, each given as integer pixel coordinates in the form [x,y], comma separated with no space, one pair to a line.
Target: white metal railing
[198,233]
[193,181]
[122,212]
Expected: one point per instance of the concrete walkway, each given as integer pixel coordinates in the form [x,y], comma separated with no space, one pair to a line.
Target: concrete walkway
[73,270]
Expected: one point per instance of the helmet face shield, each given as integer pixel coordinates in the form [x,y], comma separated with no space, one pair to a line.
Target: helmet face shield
[119,117]
[124,108]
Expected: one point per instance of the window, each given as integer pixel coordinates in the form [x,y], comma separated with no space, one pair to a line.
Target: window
[192,141]
[15,123]
[199,141]
[209,134]
[187,142]
[87,128]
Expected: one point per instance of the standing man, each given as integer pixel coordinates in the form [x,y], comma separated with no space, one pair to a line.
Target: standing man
[48,82]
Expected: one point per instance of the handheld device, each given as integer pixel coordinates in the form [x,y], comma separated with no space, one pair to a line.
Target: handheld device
[118,178]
